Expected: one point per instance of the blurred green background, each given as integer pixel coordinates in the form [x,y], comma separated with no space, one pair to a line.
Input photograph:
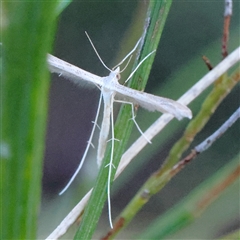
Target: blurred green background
[193,29]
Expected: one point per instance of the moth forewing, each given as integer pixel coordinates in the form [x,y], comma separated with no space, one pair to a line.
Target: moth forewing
[73,73]
[154,103]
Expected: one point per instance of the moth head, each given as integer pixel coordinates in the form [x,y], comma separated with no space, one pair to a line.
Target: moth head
[116,73]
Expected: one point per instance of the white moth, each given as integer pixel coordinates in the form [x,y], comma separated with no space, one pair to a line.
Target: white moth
[110,87]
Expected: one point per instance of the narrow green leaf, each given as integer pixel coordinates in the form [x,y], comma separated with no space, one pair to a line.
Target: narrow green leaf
[27,29]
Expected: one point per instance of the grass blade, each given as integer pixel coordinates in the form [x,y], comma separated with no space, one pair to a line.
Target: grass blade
[27,37]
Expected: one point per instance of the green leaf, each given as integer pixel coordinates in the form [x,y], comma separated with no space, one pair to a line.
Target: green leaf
[27,36]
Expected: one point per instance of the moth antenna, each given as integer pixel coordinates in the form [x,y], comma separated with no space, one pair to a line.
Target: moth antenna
[95,50]
[130,53]
[139,65]
[126,64]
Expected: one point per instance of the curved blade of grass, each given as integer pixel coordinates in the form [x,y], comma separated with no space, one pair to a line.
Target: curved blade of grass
[155,19]
[27,29]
